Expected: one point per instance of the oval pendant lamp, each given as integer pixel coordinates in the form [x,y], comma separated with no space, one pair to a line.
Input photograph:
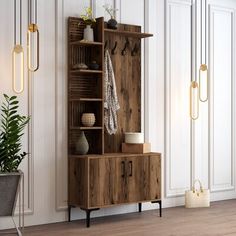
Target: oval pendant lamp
[18,54]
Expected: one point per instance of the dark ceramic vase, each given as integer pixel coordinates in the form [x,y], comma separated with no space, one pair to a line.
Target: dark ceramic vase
[112,24]
[93,65]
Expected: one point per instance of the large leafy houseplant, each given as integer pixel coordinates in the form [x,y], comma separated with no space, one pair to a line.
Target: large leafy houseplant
[11,130]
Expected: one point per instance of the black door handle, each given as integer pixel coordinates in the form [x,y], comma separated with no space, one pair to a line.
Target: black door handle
[130,168]
[123,169]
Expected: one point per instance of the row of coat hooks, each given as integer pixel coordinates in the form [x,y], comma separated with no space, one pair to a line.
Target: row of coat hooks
[134,50]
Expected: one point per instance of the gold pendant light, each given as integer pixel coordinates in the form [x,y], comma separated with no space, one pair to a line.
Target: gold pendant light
[18,54]
[203,70]
[33,38]
[194,100]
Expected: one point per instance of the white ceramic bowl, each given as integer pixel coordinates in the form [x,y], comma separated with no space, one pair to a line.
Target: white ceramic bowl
[134,137]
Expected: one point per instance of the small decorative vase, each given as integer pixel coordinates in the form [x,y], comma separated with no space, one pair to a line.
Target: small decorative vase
[93,65]
[82,145]
[88,33]
[112,24]
[88,119]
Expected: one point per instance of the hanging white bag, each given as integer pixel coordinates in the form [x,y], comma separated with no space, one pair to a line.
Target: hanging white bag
[197,197]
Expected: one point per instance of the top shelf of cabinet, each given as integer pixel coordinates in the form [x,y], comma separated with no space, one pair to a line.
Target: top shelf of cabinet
[128,34]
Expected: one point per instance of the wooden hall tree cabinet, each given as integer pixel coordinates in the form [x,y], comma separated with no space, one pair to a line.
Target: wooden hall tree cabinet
[106,177]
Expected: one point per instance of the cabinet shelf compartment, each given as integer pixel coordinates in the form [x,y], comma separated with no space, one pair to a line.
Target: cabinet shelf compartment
[77,108]
[85,86]
[84,54]
[77,27]
[94,138]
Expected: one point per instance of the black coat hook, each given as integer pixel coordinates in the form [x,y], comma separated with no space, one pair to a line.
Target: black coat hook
[105,46]
[135,49]
[124,51]
[113,51]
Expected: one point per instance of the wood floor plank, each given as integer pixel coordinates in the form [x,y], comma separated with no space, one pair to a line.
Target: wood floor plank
[218,220]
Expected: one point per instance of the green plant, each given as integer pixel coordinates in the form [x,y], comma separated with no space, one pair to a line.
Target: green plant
[11,130]
[88,17]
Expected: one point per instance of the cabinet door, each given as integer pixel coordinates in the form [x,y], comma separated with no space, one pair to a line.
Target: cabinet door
[106,181]
[143,178]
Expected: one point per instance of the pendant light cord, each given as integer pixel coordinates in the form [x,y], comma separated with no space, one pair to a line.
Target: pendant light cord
[205,38]
[35,13]
[201,29]
[15,23]
[205,31]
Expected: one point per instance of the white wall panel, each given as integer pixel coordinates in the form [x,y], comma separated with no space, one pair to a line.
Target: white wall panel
[178,74]
[132,12]
[222,105]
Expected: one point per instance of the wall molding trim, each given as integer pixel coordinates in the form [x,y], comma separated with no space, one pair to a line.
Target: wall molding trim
[60,104]
[227,186]
[170,190]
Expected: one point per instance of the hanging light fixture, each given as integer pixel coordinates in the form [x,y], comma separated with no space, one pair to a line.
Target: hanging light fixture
[18,54]
[194,100]
[33,37]
[203,70]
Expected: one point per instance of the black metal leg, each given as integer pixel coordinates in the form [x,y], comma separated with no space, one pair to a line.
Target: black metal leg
[88,218]
[160,206]
[69,213]
[88,211]
[140,207]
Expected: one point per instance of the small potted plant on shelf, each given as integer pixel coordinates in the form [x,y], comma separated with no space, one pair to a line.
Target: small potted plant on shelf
[88,20]
[112,23]
[11,130]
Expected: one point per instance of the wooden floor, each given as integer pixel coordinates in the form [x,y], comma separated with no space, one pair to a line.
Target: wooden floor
[220,219]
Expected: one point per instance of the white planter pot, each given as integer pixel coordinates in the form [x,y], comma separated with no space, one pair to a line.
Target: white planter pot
[9,186]
[88,33]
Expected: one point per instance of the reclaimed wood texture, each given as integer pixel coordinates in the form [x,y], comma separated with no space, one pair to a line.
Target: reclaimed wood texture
[85,87]
[136,147]
[102,181]
[143,178]
[107,186]
[127,70]
[78,182]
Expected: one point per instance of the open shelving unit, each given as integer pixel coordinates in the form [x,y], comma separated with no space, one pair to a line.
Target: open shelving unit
[85,87]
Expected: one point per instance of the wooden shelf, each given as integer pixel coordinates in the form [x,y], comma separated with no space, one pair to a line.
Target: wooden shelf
[86,128]
[128,34]
[86,99]
[87,71]
[79,43]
